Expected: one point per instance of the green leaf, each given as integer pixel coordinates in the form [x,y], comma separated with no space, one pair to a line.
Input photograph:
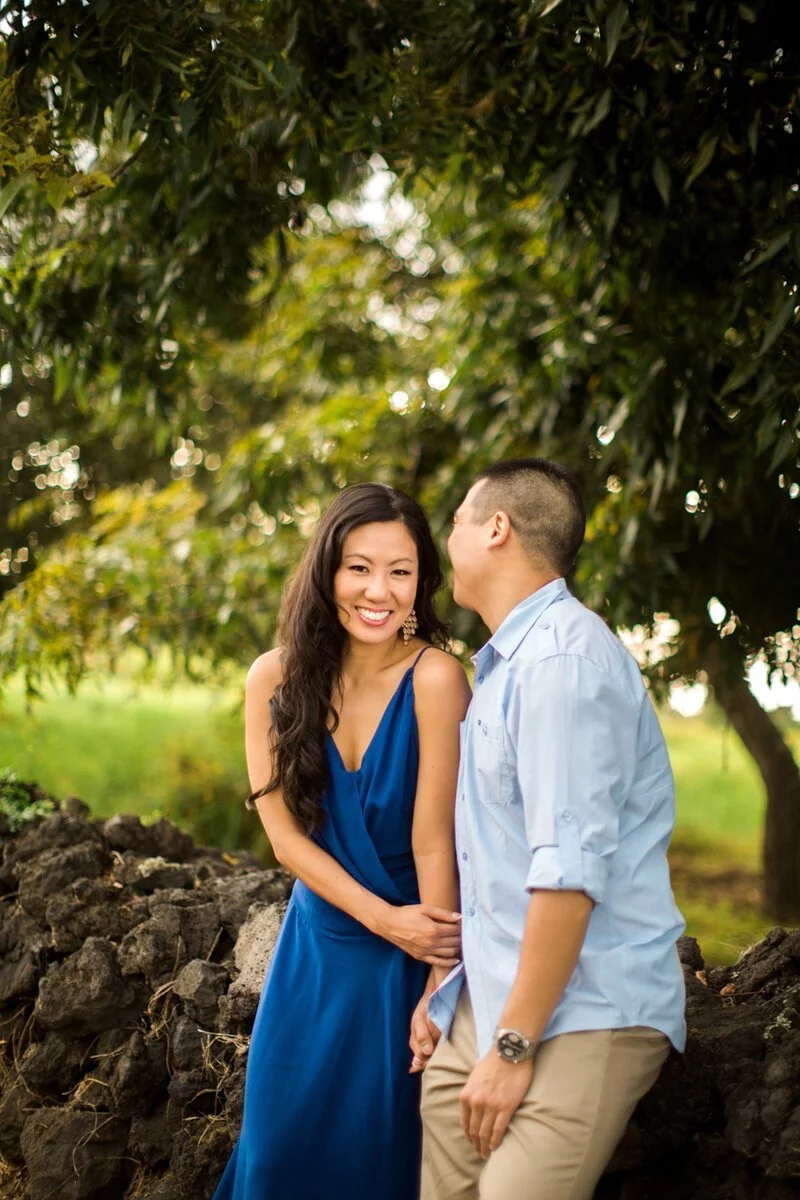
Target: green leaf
[10,192]
[243,84]
[783,449]
[62,377]
[778,324]
[545,6]
[559,179]
[661,178]
[602,109]
[772,248]
[629,536]
[702,160]
[611,212]
[57,191]
[740,376]
[93,181]
[679,415]
[614,23]
[752,132]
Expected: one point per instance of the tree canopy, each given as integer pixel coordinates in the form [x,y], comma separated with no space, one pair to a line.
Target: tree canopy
[252,252]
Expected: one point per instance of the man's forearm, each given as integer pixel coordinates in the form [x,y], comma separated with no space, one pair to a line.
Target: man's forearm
[555,927]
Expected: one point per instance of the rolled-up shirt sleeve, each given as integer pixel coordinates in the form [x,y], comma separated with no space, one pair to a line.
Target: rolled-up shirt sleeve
[574,729]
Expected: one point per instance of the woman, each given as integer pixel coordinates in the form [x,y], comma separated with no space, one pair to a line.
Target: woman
[352,752]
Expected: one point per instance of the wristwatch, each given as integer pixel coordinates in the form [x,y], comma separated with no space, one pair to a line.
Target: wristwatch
[513,1046]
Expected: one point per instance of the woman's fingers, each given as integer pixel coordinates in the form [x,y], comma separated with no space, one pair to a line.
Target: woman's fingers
[441,914]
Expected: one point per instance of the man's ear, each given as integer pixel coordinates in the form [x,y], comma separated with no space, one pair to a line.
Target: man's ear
[499,530]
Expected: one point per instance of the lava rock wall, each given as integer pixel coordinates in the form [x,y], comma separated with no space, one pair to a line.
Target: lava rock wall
[131,962]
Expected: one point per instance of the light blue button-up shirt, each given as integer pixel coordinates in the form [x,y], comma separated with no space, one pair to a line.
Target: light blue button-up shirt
[565,782]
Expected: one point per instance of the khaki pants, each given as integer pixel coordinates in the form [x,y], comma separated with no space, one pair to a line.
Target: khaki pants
[584,1090]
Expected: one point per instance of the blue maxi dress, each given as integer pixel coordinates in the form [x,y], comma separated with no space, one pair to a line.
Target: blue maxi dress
[330,1111]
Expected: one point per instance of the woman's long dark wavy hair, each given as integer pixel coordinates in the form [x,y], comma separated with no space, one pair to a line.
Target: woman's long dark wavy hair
[313,639]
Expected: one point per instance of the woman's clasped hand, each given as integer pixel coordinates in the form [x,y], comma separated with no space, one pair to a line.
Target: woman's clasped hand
[431,935]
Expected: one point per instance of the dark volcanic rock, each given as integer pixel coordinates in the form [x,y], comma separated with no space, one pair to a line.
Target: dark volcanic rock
[76,1155]
[111,961]
[17,1102]
[87,992]
[132,1057]
[53,1067]
[151,1138]
[200,985]
[235,895]
[690,954]
[140,1076]
[172,935]
[91,908]
[196,1164]
[62,830]
[147,875]
[46,1072]
[185,1045]
[161,839]
[50,872]
[23,955]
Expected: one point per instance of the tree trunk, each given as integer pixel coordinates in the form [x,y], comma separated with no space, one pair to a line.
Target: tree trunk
[781,775]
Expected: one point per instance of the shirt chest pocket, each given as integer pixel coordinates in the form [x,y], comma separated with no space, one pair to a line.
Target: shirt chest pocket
[492,770]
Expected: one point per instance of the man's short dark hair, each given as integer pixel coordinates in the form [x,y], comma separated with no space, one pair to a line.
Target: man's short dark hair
[544,504]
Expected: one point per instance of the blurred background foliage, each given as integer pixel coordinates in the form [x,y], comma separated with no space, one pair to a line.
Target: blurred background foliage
[251,253]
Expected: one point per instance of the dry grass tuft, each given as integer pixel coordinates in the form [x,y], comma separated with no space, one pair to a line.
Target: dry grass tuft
[13,1182]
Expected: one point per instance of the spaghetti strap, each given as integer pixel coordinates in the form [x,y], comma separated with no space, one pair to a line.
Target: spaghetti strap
[419,656]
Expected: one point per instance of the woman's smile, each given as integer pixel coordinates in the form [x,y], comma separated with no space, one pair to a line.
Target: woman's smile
[374,616]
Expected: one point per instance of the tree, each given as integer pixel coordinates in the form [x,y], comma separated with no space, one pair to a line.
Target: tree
[613,193]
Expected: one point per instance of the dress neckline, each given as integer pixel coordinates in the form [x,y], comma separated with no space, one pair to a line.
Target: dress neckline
[357,770]
[379,726]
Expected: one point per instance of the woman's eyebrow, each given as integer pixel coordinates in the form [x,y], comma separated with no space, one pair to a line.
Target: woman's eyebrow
[366,558]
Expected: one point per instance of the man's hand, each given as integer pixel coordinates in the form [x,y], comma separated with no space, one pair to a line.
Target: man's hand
[424,1036]
[493,1093]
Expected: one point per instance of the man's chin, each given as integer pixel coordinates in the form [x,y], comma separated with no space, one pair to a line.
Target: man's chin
[461,597]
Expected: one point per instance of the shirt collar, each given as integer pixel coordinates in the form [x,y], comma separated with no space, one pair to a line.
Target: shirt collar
[506,639]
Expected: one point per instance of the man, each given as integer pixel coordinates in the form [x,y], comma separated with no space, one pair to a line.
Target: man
[570,991]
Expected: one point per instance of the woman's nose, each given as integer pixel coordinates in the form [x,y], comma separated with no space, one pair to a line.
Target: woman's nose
[376,587]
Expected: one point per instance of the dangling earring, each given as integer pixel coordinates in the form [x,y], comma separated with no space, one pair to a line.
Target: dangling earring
[409,627]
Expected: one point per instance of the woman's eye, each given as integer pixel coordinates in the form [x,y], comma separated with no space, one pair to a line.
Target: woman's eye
[402,572]
[359,567]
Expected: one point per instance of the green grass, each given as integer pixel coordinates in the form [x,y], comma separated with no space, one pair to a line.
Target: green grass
[112,744]
[149,750]
[717,785]
[178,752]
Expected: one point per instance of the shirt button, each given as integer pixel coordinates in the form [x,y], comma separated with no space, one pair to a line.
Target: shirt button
[480,679]
[566,817]
[479,720]
[464,855]
[470,912]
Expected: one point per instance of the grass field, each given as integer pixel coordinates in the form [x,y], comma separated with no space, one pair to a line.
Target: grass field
[178,752]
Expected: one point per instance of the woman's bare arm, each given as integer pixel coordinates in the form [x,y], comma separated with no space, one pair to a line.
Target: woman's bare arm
[424,931]
[441,698]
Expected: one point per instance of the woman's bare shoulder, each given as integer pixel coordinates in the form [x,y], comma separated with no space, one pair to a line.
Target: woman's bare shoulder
[439,672]
[266,673]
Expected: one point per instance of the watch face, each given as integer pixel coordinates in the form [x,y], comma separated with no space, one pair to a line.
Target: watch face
[512,1046]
